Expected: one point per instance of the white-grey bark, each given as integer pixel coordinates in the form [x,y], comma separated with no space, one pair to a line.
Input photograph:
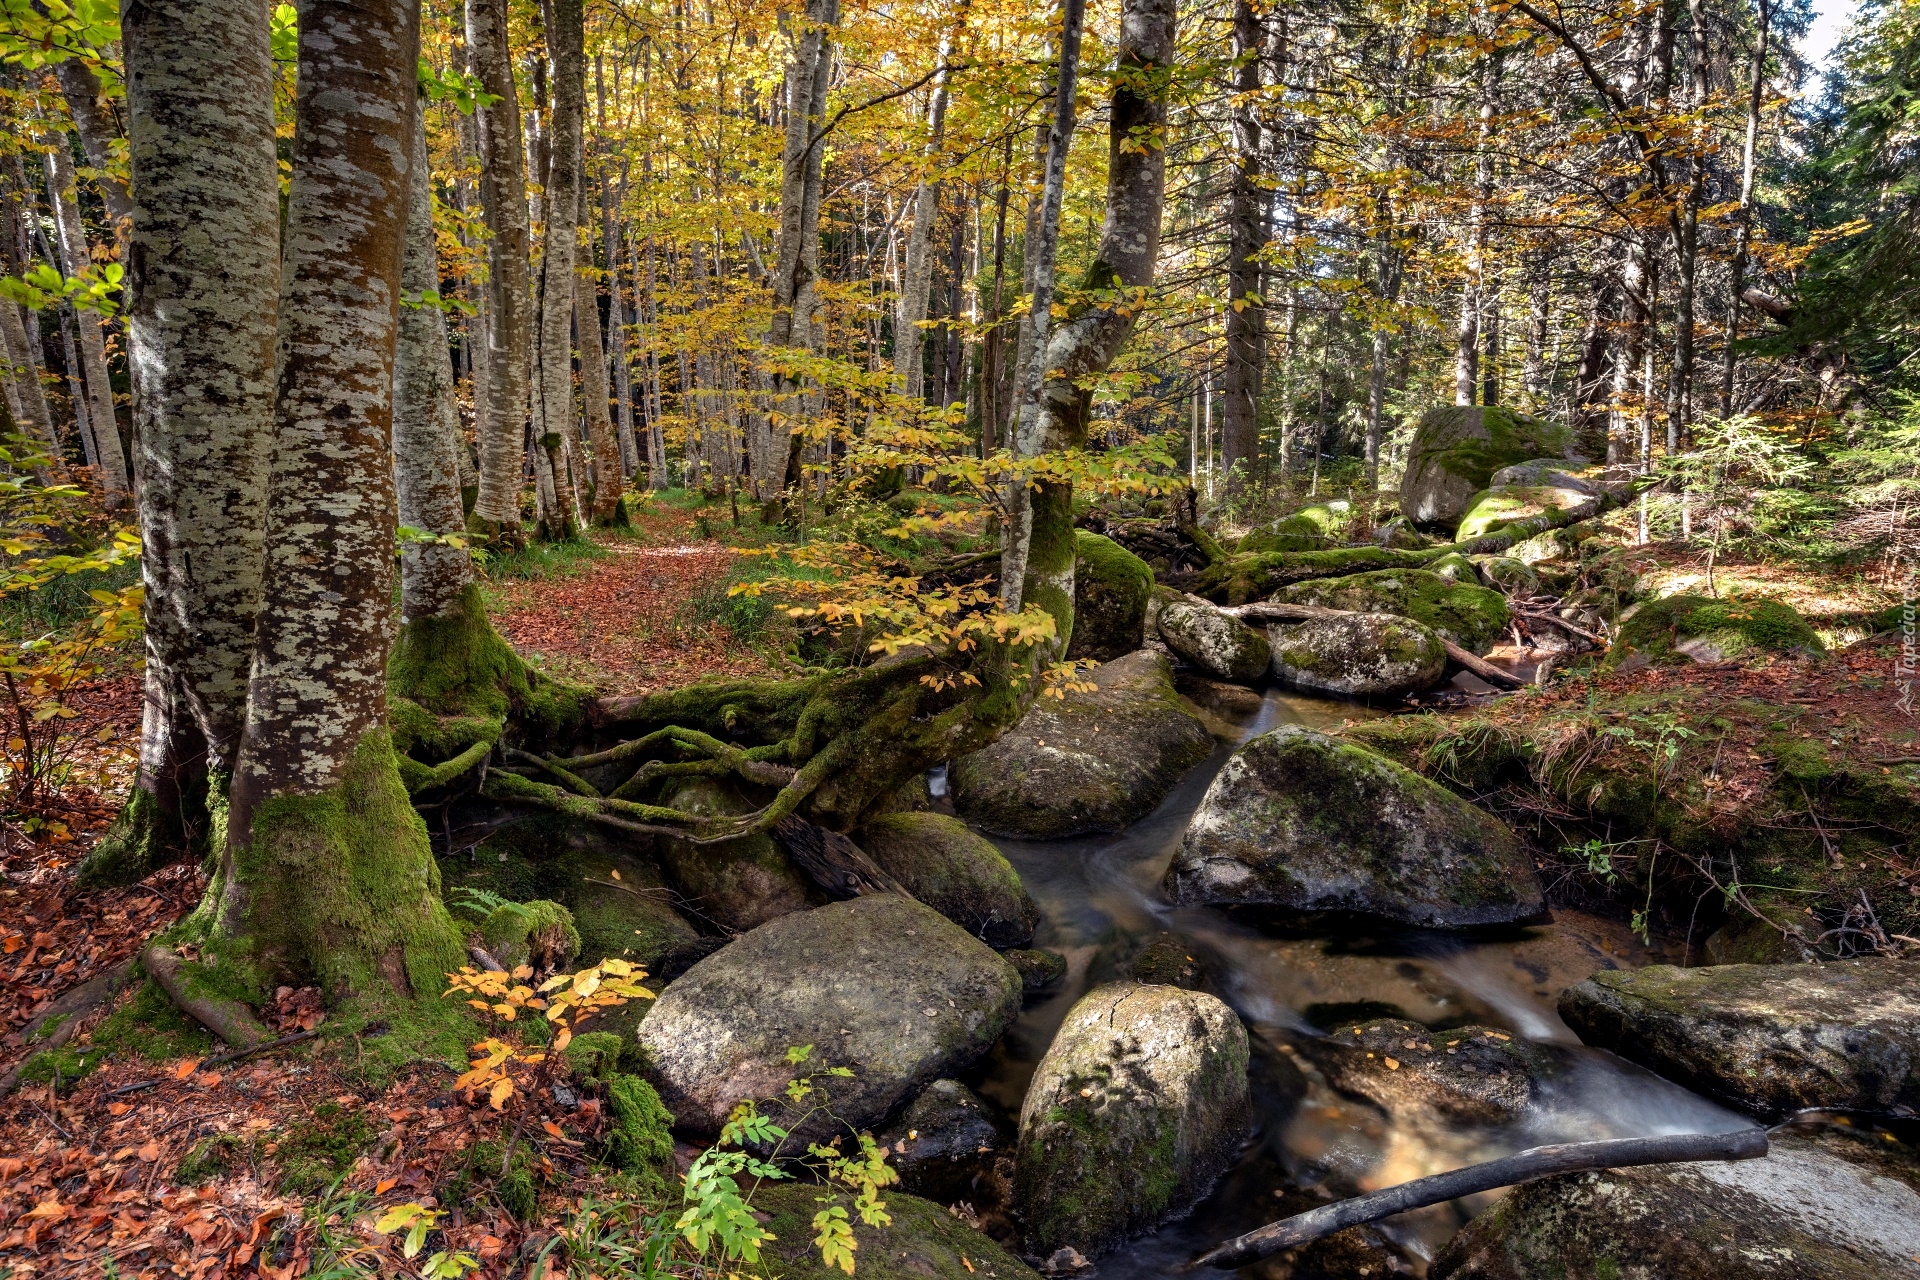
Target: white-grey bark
[917,273]
[426,468]
[71,240]
[554,424]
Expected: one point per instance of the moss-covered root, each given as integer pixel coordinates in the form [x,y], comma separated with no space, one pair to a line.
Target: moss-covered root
[458,670]
[146,836]
[340,888]
[227,1018]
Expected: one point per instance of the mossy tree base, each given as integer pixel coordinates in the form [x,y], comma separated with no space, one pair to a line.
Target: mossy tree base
[148,836]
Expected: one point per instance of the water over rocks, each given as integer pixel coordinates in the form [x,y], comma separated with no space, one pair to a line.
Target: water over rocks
[1090,762]
[1769,1039]
[882,984]
[1136,1108]
[1465,1075]
[1300,820]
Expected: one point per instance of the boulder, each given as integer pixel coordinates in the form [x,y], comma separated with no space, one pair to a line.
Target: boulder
[737,884]
[880,984]
[921,1242]
[1615,480]
[1769,1039]
[1688,627]
[1493,509]
[1464,612]
[1210,638]
[1299,820]
[1138,1105]
[1454,566]
[955,871]
[1808,1211]
[1433,1079]
[1508,575]
[1455,451]
[1165,958]
[1040,971]
[1357,655]
[943,1140]
[1089,762]
[1110,590]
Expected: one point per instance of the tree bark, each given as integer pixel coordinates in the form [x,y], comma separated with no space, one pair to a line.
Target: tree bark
[554,425]
[1473,287]
[1246,235]
[81,88]
[203,288]
[327,874]
[608,486]
[916,274]
[1737,270]
[425,441]
[1054,415]
[503,188]
[75,256]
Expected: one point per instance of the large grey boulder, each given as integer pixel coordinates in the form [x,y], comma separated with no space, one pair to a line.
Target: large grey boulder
[1463,611]
[1300,820]
[956,871]
[1089,762]
[1456,450]
[1767,1038]
[1135,1109]
[883,985]
[1435,1079]
[1210,638]
[1358,655]
[737,884]
[1815,1208]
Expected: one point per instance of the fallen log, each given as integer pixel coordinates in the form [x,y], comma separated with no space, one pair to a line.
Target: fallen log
[838,865]
[1534,1163]
[1274,611]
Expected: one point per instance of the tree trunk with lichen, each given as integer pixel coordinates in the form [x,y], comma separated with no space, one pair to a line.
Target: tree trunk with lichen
[76,255]
[326,874]
[203,288]
[609,484]
[503,190]
[553,425]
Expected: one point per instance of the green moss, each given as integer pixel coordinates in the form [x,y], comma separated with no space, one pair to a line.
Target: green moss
[1510,438]
[147,1026]
[1469,615]
[145,837]
[640,1143]
[1735,627]
[211,1157]
[457,667]
[321,1147]
[593,1055]
[539,933]
[922,1242]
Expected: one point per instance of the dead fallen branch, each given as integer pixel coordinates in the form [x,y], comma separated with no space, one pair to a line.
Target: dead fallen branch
[838,865]
[1537,1162]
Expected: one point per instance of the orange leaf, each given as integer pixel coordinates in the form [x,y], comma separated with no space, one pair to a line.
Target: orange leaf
[119,1108]
[501,1091]
[385,1185]
[186,1069]
[552,1128]
[150,1152]
[14,942]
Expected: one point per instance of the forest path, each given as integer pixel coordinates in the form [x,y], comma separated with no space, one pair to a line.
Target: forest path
[638,614]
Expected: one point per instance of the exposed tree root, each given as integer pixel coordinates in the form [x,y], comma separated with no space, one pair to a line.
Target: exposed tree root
[69,1007]
[232,1021]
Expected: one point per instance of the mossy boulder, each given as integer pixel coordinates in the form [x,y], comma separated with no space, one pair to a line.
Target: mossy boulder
[1804,1212]
[538,933]
[1704,630]
[956,871]
[1357,655]
[1110,589]
[1211,639]
[922,1242]
[1312,527]
[1492,510]
[1433,1080]
[1164,958]
[1769,1039]
[737,884]
[882,985]
[1456,449]
[1040,971]
[1299,820]
[1136,1108]
[1464,612]
[621,906]
[1088,762]
[1507,575]
[943,1141]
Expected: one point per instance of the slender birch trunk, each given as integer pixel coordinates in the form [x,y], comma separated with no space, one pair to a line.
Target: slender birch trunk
[503,187]
[1473,287]
[203,287]
[71,239]
[327,873]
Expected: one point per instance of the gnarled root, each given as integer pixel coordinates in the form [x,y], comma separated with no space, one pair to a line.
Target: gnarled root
[232,1021]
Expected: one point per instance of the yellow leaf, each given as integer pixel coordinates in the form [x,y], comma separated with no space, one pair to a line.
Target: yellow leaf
[501,1091]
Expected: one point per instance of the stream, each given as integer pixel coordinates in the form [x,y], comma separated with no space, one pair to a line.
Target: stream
[1309,1144]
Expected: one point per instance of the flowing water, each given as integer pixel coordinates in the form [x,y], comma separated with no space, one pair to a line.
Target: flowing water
[1310,1144]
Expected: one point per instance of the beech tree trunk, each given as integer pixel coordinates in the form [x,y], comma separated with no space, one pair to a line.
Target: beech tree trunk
[327,874]
[1246,316]
[916,274]
[554,424]
[203,290]
[608,488]
[426,468]
[1737,270]
[1473,288]
[1085,343]
[81,88]
[75,256]
[503,192]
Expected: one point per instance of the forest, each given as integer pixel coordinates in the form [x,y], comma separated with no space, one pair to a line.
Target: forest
[926,640]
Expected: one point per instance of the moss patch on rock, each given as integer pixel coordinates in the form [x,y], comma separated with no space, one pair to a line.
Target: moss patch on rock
[1695,627]
[1110,589]
[922,1242]
[1467,614]
[957,872]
